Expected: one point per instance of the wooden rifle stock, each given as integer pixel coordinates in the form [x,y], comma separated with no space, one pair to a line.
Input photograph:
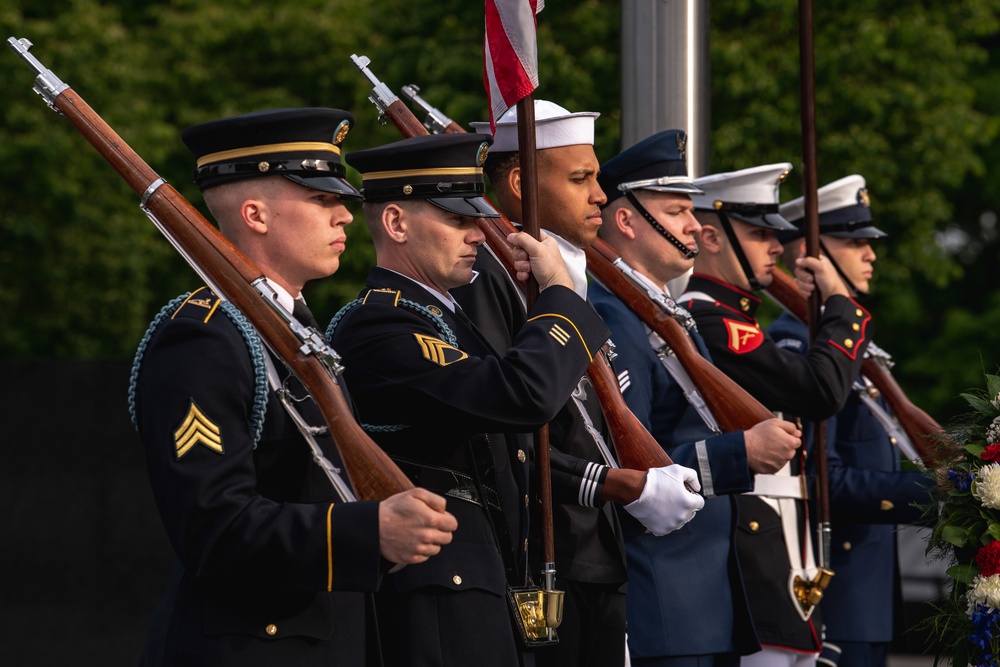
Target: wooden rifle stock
[733,408]
[372,474]
[635,446]
[924,433]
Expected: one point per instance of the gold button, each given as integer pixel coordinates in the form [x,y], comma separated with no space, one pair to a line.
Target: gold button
[859,312]
[754,526]
[856,326]
[892,440]
[520,456]
[271,629]
[886,505]
[526,501]
[848,343]
[847,546]
[457,580]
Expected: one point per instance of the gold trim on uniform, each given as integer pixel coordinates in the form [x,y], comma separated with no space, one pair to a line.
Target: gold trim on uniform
[196,428]
[439,352]
[590,357]
[382,290]
[559,334]
[290,147]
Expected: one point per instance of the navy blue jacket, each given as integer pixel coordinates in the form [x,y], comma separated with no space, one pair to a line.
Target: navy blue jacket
[685,589]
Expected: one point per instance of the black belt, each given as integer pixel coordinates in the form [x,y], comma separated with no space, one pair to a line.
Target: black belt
[445,481]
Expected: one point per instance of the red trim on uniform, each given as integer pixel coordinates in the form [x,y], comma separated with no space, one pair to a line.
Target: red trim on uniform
[852,353]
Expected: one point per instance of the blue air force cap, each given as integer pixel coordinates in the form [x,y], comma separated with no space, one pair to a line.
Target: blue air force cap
[301,144]
[656,163]
[444,169]
[748,195]
[844,211]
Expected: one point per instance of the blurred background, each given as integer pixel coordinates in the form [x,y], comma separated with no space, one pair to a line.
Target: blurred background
[907,95]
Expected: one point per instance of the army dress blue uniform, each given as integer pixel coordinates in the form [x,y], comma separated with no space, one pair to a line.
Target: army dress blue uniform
[268,556]
[869,496]
[435,395]
[589,553]
[686,593]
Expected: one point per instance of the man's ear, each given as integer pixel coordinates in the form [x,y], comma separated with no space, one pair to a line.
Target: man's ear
[395,223]
[709,239]
[255,215]
[514,181]
[624,221]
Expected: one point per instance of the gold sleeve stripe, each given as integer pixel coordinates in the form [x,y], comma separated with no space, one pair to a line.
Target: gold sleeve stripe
[329,548]
[294,146]
[570,323]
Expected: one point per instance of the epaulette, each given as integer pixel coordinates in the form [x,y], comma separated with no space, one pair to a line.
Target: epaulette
[394,298]
[203,304]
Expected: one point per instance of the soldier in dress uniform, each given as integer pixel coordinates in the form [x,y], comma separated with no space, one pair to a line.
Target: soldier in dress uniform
[272,568]
[589,554]
[452,411]
[686,604]
[869,494]
[739,216]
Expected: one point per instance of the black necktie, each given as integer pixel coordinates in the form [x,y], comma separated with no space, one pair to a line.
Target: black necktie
[301,312]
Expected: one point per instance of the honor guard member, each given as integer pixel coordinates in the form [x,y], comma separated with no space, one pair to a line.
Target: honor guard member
[869,494]
[272,567]
[686,604]
[452,411]
[589,555]
[739,248]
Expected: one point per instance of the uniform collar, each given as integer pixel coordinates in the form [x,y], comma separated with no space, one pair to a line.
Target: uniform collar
[725,293]
[575,260]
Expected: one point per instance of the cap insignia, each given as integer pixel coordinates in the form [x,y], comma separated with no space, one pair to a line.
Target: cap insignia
[407,189]
[717,204]
[341,132]
[781,179]
[484,150]
[863,198]
[681,144]
[263,166]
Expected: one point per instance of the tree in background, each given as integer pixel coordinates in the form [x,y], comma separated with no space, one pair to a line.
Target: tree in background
[904,97]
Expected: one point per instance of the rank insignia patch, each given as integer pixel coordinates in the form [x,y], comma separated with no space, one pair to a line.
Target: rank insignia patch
[439,352]
[197,428]
[559,334]
[743,337]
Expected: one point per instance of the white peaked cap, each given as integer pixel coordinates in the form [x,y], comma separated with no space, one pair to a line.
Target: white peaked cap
[554,127]
[756,185]
[842,193]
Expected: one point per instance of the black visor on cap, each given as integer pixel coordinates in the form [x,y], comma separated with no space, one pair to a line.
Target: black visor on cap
[474,207]
[332,184]
[758,215]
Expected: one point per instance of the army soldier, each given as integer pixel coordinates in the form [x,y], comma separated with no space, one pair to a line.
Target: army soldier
[686,604]
[869,494]
[454,413]
[739,216]
[589,555]
[273,569]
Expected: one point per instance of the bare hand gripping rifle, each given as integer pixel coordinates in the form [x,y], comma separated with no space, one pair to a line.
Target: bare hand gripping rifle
[635,447]
[925,441]
[233,277]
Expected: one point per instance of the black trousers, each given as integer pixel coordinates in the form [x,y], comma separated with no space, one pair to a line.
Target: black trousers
[592,633]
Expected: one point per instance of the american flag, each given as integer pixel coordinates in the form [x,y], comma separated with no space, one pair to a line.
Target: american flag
[510,60]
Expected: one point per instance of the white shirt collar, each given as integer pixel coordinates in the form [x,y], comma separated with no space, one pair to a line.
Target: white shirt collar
[576,263]
[285,300]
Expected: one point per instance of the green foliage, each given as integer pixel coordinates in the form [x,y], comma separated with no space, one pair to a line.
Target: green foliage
[910,99]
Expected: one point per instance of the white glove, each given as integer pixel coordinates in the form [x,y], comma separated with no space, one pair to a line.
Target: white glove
[666,504]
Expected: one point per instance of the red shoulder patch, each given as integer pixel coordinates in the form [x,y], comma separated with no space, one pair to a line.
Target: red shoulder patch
[743,337]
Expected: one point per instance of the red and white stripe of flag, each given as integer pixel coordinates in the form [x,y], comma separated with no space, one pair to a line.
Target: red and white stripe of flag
[510,60]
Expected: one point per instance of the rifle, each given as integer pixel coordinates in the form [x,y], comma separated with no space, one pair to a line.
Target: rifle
[233,277]
[436,122]
[635,446]
[733,408]
[925,434]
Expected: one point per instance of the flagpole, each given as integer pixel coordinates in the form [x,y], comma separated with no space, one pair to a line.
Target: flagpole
[810,184]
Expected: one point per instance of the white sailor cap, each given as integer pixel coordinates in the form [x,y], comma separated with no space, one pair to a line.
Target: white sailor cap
[749,195]
[554,127]
[844,211]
